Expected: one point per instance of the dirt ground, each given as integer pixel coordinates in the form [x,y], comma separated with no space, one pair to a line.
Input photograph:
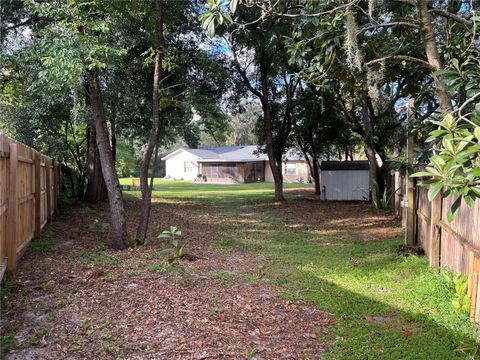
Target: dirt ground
[73,298]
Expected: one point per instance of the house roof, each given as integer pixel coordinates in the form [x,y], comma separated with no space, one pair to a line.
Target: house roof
[233,154]
[344,165]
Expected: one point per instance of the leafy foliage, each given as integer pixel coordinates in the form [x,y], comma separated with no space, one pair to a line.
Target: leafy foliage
[177,250]
[461,302]
[454,169]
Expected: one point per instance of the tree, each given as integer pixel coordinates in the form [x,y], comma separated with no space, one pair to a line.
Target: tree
[319,128]
[261,67]
[155,131]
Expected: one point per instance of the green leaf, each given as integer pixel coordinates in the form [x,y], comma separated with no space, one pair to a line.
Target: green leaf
[422,174]
[454,209]
[476,132]
[434,190]
[233,6]
[469,199]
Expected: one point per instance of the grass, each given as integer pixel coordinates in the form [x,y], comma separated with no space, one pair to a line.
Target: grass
[386,306]
[187,190]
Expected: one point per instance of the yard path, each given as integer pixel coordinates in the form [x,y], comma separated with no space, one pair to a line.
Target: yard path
[73,298]
[304,279]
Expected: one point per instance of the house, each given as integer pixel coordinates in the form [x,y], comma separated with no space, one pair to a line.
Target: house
[345,180]
[232,164]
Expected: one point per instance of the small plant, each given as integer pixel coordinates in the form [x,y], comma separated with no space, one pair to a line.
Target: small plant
[252,352]
[177,249]
[383,203]
[471,348]
[461,303]
[215,309]
[99,226]
[7,340]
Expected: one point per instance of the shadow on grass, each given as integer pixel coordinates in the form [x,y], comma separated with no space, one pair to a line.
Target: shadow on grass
[387,306]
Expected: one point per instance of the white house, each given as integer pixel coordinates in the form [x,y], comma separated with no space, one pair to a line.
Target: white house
[232,164]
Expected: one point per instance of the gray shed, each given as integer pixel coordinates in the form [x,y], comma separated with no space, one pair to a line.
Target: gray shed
[345,180]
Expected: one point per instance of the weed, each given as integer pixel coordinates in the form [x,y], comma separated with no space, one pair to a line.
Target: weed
[215,308]
[7,340]
[109,335]
[384,202]
[99,226]
[250,278]
[163,268]
[88,210]
[37,339]
[252,352]
[99,259]
[224,277]
[7,287]
[111,349]
[461,302]
[44,244]
[76,347]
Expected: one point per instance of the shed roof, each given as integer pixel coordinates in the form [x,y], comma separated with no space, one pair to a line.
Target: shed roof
[345,165]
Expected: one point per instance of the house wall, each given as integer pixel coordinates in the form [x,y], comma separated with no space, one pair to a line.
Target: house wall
[345,184]
[302,172]
[174,166]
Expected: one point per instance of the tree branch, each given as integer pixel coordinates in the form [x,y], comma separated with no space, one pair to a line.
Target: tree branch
[402,58]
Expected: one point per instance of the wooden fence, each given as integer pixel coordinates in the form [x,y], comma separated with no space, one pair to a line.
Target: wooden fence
[455,244]
[29,192]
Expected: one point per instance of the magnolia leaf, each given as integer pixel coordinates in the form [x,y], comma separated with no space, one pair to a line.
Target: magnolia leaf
[454,209]
[469,199]
[476,132]
[434,190]
[422,174]
[233,6]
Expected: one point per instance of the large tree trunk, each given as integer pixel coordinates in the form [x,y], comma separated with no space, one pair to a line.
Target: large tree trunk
[117,212]
[152,140]
[433,55]
[96,187]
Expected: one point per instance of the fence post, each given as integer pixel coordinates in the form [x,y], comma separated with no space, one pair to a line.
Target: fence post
[38,193]
[435,231]
[55,185]
[11,243]
[48,187]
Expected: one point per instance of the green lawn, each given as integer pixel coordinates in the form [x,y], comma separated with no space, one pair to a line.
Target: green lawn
[387,306]
[212,192]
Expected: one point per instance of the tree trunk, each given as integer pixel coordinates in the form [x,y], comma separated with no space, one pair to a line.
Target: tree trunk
[267,123]
[370,151]
[113,136]
[96,187]
[117,212]
[316,175]
[433,55]
[152,140]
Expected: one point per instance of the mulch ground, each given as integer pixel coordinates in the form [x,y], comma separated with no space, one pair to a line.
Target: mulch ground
[75,299]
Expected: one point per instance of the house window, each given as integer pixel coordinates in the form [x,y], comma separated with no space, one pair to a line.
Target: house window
[187,166]
[290,169]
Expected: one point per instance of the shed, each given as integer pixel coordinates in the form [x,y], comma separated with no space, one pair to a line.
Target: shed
[345,180]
